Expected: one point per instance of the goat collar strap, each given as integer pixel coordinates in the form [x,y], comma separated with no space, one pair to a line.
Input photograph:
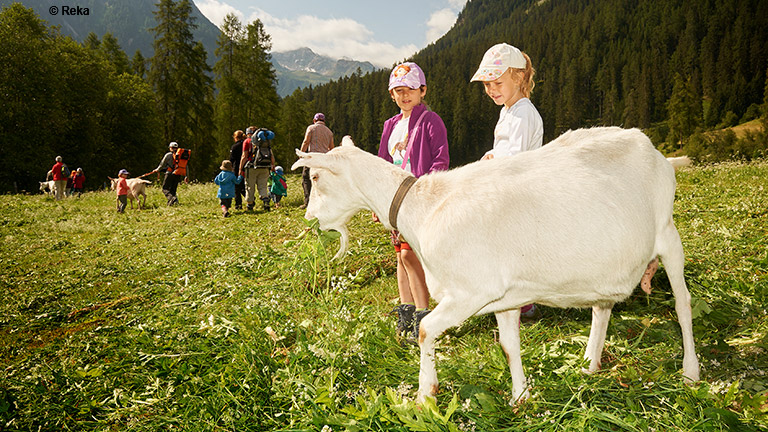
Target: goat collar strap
[397,201]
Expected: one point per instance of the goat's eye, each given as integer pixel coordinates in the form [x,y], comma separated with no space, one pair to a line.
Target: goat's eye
[314,177]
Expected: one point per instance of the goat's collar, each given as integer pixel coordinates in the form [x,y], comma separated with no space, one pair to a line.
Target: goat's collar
[397,201]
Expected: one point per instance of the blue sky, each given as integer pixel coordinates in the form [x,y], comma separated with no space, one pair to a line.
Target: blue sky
[377,31]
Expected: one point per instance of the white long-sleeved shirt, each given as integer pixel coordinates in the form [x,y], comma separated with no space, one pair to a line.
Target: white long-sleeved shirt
[519,129]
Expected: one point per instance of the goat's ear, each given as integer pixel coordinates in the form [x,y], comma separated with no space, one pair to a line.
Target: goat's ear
[315,160]
[303,159]
[347,141]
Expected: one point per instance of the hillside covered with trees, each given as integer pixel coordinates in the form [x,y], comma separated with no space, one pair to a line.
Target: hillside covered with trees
[672,68]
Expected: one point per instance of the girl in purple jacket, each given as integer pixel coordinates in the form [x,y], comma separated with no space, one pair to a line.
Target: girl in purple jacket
[415,140]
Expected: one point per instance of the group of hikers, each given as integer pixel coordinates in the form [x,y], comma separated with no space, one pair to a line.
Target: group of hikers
[66,182]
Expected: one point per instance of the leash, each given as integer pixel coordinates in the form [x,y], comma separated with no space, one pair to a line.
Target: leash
[397,201]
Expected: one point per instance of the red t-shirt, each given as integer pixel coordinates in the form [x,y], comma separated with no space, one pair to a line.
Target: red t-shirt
[247,149]
[57,174]
[122,186]
[78,181]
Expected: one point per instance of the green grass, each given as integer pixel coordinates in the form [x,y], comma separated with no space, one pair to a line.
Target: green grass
[178,319]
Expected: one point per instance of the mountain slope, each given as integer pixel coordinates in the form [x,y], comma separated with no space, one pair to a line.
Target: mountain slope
[598,62]
[129,21]
[303,67]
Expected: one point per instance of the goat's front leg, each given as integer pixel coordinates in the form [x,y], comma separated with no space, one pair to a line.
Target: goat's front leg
[600,318]
[509,337]
[450,312]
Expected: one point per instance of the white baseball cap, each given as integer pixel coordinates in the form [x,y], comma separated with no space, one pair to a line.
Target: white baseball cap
[497,60]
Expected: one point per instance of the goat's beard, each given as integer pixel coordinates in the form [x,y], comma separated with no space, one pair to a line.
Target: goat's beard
[343,242]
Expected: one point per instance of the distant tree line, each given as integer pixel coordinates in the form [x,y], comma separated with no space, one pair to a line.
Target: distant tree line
[63,98]
[102,111]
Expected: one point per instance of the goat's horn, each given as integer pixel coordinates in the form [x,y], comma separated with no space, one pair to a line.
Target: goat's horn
[343,243]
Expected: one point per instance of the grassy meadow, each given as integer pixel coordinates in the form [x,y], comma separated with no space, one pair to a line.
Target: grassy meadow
[171,319]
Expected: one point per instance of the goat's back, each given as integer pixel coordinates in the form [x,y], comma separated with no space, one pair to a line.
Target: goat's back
[582,213]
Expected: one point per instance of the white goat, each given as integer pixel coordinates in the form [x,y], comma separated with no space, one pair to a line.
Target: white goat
[46,187]
[573,224]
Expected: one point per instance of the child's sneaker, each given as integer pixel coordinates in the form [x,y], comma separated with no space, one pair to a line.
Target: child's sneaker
[404,319]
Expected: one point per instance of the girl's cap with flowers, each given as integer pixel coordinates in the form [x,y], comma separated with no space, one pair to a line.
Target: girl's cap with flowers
[497,60]
[407,74]
[123,171]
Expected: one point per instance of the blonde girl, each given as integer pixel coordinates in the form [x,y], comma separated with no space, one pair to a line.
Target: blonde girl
[507,76]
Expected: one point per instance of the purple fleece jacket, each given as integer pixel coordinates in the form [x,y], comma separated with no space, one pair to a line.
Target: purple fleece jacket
[430,145]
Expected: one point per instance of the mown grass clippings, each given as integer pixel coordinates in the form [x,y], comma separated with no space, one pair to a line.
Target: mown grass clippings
[178,319]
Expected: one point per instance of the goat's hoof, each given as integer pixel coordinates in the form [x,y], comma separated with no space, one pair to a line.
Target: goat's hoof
[421,398]
[521,397]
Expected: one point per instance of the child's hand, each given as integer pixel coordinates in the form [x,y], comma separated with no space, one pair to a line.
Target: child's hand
[489,156]
[374,217]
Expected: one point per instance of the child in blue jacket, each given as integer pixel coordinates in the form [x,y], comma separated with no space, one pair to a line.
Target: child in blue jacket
[278,187]
[226,181]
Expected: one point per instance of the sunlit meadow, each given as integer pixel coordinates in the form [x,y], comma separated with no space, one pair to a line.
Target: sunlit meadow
[179,319]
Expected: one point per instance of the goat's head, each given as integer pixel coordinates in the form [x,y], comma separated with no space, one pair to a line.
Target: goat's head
[43,186]
[113,182]
[332,199]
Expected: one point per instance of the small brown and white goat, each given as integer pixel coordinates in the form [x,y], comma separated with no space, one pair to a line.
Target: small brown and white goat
[573,224]
[136,187]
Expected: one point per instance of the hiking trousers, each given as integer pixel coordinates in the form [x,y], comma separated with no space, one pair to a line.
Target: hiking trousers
[256,181]
[170,184]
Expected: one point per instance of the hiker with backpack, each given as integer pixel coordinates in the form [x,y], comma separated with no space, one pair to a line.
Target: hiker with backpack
[60,175]
[174,165]
[256,163]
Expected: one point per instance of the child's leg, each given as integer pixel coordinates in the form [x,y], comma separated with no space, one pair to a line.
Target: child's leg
[416,279]
[403,285]
[122,202]
[226,203]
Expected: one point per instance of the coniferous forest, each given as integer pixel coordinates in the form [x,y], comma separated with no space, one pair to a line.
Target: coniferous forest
[676,69]
[672,68]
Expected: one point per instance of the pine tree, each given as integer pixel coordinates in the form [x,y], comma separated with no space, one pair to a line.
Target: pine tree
[115,54]
[139,65]
[684,110]
[229,72]
[259,79]
[178,74]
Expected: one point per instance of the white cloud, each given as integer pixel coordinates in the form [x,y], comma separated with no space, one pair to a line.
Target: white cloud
[439,23]
[215,10]
[334,37]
